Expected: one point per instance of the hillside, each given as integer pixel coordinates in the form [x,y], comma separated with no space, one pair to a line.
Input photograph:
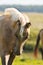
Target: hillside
[22,8]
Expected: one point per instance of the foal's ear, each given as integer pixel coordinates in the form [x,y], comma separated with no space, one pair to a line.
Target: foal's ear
[28,25]
[18,22]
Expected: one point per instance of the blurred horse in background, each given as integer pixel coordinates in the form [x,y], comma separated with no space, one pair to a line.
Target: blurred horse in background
[39,38]
[13,34]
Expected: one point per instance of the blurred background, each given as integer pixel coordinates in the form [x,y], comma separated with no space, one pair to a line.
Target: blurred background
[34,10]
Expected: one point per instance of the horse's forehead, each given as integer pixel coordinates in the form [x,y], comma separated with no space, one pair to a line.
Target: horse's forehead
[25,19]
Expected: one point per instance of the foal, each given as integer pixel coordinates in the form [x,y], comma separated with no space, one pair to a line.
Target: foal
[13,34]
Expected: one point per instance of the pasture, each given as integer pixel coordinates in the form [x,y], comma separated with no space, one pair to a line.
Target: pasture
[27,58]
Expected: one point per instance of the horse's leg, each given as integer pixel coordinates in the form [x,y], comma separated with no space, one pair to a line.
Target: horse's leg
[3,60]
[42,53]
[11,58]
[42,47]
[41,50]
[7,58]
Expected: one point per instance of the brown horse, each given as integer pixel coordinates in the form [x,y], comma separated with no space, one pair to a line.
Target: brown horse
[13,34]
[39,38]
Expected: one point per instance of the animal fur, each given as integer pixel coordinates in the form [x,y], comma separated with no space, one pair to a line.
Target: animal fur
[13,33]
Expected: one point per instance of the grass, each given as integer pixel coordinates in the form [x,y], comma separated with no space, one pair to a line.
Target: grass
[28,61]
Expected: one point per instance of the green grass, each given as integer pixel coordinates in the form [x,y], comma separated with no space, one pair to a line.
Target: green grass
[26,60]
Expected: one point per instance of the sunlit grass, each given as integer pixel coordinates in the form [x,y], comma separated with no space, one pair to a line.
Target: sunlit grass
[26,60]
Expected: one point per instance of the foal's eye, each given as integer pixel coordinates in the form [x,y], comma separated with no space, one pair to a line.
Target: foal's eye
[27,25]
